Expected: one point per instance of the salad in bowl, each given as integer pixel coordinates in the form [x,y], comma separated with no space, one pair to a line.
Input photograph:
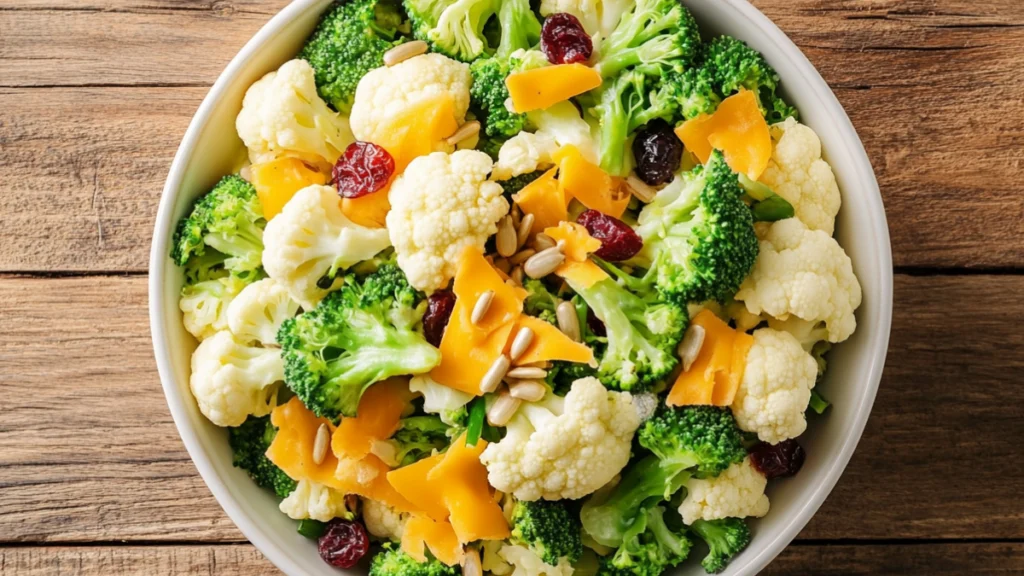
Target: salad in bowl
[512,289]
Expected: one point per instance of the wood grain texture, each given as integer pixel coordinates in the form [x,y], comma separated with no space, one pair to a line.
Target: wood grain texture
[938,458]
[933,559]
[932,87]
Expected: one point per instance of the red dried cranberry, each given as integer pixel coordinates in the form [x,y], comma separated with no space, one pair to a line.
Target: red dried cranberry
[344,543]
[596,326]
[658,152]
[618,241]
[783,459]
[439,310]
[564,41]
[363,169]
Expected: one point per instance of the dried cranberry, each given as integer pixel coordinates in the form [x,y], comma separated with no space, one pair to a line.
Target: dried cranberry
[439,310]
[363,169]
[618,241]
[564,41]
[596,326]
[658,152]
[783,459]
[343,544]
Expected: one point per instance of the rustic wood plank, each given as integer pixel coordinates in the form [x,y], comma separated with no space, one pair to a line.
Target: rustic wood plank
[934,559]
[227,560]
[88,451]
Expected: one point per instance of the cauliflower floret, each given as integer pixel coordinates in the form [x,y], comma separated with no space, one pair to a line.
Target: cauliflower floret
[776,387]
[525,563]
[387,91]
[598,17]
[258,311]
[232,381]
[204,305]
[282,115]
[564,447]
[383,521]
[440,399]
[314,500]
[310,238]
[797,173]
[557,126]
[440,205]
[804,273]
[736,493]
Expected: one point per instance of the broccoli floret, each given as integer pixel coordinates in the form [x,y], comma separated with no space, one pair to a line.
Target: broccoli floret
[548,529]
[540,302]
[649,548]
[654,34]
[249,443]
[224,231]
[392,561]
[726,538]
[682,96]
[642,334]
[360,334]
[349,41]
[520,29]
[517,183]
[490,145]
[418,436]
[454,28]
[488,94]
[692,441]
[737,66]
[699,240]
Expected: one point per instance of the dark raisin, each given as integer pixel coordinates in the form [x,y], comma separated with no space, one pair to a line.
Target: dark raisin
[564,41]
[596,326]
[618,241]
[344,543]
[657,152]
[439,310]
[363,169]
[783,459]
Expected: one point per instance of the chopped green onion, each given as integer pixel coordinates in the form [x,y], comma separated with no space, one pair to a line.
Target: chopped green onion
[477,415]
[311,529]
[756,190]
[772,210]
[818,404]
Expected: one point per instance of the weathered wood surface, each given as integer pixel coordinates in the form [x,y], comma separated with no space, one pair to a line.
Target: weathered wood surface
[933,88]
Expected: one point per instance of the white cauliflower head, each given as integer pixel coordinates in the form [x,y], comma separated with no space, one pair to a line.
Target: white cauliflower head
[804,273]
[797,173]
[312,500]
[282,115]
[524,153]
[204,305]
[231,380]
[258,311]
[312,237]
[387,91]
[441,204]
[557,126]
[383,521]
[736,493]
[439,399]
[564,447]
[525,563]
[776,387]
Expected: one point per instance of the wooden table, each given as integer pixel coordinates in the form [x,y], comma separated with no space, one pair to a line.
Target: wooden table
[96,94]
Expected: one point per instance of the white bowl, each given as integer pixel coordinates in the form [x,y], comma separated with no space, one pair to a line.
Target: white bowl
[211,149]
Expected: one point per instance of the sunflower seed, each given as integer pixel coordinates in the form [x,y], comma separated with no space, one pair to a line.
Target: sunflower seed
[503,409]
[489,383]
[516,214]
[521,256]
[516,276]
[320,444]
[527,390]
[505,241]
[467,130]
[568,321]
[542,242]
[483,304]
[522,341]
[690,347]
[503,265]
[542,364]
[471,563]
[527,373]
[544,262]
[640,189]
[403,52]
[523,230]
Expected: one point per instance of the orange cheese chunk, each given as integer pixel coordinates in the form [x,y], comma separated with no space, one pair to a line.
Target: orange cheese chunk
[589,184]
[738,129]
[367,477]
[545,199]
[541,88]
[717,371]
[468,349]
[369,211]
[421,532]
[475,513]
[292,448]
[425,495]
[577,269]
[278,180]
[582,274]
[549,343]
[377,418]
